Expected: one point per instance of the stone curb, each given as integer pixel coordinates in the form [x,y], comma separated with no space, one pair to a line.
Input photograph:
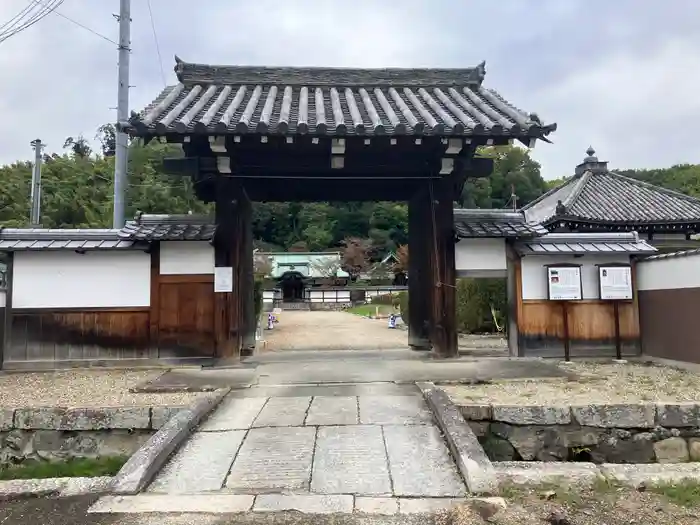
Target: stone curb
[601,415]
[140,469]
[61,487]
[472,462]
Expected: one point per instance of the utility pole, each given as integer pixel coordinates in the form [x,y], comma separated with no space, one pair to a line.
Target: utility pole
[122,140]
[35,206]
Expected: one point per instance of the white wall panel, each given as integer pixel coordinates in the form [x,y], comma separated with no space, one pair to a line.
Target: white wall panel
[669,274]
[534,273]
[65,279]
[480,257]
[186,257]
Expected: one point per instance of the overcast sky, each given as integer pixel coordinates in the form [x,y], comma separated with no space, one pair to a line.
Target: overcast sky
[622,75]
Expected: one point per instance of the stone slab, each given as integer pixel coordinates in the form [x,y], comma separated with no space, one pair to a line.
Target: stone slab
[333,411]
[678,415]
[106,418]
[532,414]
[161,415]
[197,380]
[161,503]
[381,506]
[273,459]
[538,473]
[7,417]
[476,412]
[473,464]
[145,463]
[420,463]
[649,473]
[200,465]
[307,504]
[615,415]
[394,410]
[234,414]
[327,390]
[283,412]
[350,460]
[426,505]
[62,487]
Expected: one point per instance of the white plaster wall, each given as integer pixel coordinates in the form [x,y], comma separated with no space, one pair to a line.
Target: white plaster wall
[65,279]
[669,274]
[478,255]
[534,273]
[186,257]
[3,296]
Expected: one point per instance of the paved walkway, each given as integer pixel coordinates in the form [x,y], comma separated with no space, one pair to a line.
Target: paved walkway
[339,453]
[304,330]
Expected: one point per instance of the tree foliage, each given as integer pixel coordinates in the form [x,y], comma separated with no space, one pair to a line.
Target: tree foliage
[355,256]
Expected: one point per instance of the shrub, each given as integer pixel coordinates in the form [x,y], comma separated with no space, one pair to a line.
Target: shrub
[386,299]
[403,305]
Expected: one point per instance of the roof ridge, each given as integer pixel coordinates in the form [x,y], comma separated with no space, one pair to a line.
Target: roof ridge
[550,192]
[649,185]
[571,198]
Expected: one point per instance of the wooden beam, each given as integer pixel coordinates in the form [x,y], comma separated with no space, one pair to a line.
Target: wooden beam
[419,283]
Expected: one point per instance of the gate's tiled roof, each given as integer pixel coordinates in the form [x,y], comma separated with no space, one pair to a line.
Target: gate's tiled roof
[334,101]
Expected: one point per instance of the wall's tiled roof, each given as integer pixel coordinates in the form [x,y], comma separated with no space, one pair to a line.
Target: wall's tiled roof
[18,239]
[602,196]
[585,243]
[169,228]
[494,223]
[335,101]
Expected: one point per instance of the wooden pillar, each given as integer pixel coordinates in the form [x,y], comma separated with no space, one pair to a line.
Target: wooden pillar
[444,309]
[246,279]
[154,310]
[7,319]
[225,308]
[419,283]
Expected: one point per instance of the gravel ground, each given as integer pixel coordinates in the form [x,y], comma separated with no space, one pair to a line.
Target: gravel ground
[299,330]
[600,383]
[83,388]
[562,506]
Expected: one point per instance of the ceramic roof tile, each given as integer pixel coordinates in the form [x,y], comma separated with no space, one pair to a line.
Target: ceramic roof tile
[16,239]
[582,243]
[169,228]
[494,223]
[335,101]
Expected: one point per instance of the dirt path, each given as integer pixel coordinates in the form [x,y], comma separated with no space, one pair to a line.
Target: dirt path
[332,331]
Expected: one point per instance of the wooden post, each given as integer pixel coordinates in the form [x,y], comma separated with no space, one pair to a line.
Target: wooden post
[224,248]
[154,310]
[445,306]
[567,342]
[618,339]
[7,321]
[419,282]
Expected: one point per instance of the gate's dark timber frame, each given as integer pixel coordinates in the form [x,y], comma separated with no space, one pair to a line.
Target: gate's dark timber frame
[255,134]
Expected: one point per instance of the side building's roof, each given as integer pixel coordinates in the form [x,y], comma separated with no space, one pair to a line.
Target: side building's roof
[24,239]
[214,99]
[596,197]
[627,243]
[169,228]
[471,223]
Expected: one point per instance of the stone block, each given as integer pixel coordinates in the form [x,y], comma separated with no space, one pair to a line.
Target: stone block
[540,473]
[307,504]
[637,449]
[167,503]
[671,450]
[426,505]
[476,412]
[635,475]
[678,415]
[480,428]
[39,418]
[532,415]
[161,415]
[694,449]
[7,416]
[106,418]
[382,506]
[616,415]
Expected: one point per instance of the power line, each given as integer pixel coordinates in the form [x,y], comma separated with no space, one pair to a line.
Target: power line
[155,37]
[29,16]
[85,27]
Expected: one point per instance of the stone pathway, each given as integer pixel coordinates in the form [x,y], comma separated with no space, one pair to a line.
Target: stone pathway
[332,331]
[375,453]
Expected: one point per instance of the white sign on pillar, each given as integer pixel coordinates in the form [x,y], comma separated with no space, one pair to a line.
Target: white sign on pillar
[223,279]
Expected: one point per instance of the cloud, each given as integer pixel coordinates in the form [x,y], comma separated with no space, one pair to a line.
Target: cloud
[618,75]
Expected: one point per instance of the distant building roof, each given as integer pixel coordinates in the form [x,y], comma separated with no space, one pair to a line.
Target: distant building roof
[471,223]
[585,243]
[169,228]
[20,239]
[334,101]
[596,197]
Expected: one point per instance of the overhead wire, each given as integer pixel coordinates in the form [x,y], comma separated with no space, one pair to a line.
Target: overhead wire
[29,16]
[155,37]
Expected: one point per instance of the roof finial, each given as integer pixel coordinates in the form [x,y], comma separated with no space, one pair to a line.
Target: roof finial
[591,155]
